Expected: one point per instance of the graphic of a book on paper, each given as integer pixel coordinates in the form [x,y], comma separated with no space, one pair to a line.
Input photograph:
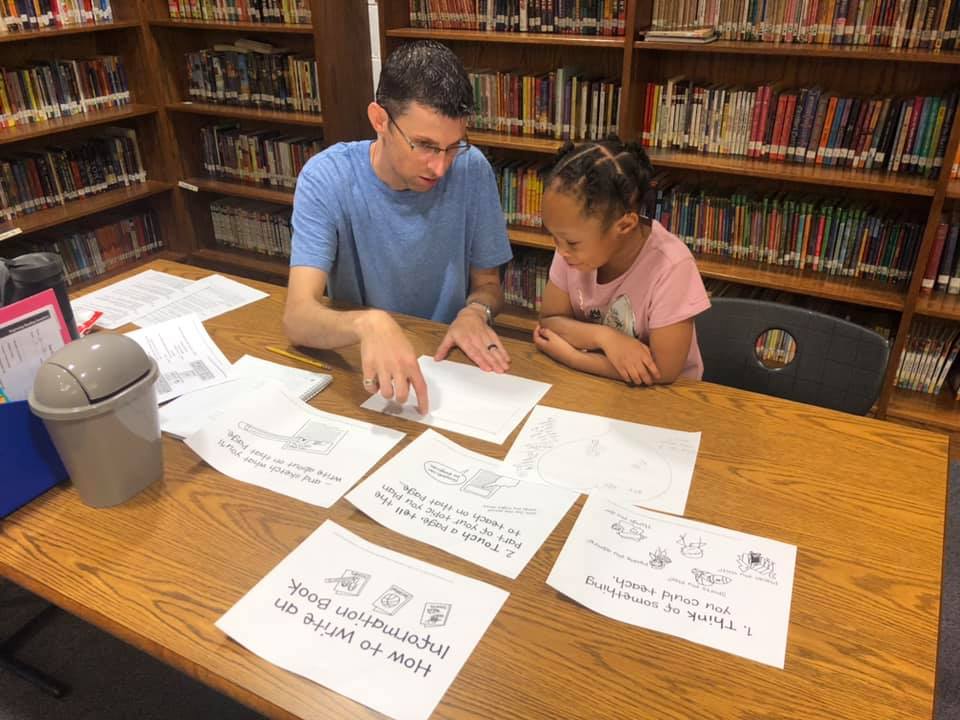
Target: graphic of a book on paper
[313,437]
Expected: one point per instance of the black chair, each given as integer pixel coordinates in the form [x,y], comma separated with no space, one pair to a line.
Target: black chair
[838,364]
[10,663]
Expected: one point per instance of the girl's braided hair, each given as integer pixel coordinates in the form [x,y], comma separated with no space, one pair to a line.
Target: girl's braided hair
[609,177]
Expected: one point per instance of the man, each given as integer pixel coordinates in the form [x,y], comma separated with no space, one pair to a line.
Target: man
[410,222]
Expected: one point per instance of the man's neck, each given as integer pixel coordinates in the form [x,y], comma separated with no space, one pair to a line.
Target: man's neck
[382,169]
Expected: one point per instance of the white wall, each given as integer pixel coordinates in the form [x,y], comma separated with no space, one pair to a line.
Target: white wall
[374,42]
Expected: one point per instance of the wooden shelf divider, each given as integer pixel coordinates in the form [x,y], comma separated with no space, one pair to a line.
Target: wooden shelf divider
[47,33]
[74,122]
[953,189]
[513,38]
[940,411]
[939,305]
[804,50]
[484,138]
[516,318]
[530,237]
[243,27]
[235,112]
[83,207]
[264,265]
[235,188]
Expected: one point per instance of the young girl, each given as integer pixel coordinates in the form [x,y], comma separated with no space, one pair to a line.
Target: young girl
[623,291]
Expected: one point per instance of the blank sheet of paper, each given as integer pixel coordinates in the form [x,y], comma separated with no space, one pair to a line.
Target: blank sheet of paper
[466,400]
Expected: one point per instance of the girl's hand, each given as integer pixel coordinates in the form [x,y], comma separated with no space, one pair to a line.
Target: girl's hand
[549,343]
[631,358]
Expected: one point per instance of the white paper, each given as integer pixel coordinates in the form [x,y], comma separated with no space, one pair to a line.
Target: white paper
[276,441]
[187,356]
[384,629]
[460,501]
[466,400]
[207,298]
[716,587]
[630,463]
[26,341]
[247,376]
[122,301]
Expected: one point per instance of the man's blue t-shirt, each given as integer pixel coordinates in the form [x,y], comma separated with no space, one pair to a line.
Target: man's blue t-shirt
[398,250]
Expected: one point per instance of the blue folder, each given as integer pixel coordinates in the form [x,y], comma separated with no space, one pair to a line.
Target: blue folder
[29,463]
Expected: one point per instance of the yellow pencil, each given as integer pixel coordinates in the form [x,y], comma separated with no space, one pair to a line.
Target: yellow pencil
[297,356]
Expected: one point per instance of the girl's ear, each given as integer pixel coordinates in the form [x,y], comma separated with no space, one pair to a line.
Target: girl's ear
[627,223]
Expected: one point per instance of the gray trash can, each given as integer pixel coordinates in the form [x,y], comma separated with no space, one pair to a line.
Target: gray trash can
[98,400]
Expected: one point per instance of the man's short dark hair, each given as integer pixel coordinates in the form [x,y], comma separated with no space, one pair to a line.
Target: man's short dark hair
[429,73]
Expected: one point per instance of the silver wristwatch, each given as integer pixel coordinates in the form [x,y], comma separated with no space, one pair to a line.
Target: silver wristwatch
[486,309]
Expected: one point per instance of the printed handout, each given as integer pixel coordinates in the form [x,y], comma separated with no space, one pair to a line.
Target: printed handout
[630,463]
[466,400]
[381,628]
[276,441]
[462,502]
[122,301]
[716,587]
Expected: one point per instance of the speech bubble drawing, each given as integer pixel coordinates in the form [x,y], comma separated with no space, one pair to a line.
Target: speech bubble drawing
[444,473]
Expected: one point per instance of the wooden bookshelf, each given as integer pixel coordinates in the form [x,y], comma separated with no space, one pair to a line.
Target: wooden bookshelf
[511,38]
[514,142]
[939,305]
[803,50]
[47,33]
[938,411]
[275,269]
[252,27]
[234,188]
[107,116]
[953,189]
[516,318]
[530,237]
[83,207]
[234,112]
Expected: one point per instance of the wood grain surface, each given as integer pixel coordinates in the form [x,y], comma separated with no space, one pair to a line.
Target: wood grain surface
[862,499]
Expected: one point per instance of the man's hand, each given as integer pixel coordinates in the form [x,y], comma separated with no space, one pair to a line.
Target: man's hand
[389,362]
[469,332]
[631,358]
[550,343]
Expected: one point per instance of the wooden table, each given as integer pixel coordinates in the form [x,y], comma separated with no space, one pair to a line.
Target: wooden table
[862,499]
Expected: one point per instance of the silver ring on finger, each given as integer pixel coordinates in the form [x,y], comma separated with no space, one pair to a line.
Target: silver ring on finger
[371,382]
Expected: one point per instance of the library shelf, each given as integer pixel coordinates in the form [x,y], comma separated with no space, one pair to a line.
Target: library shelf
[515,38]
[793,172]
[514,142]
[938,305]
[234,112]
[82,207]
[804,282]
[235,188]
[529,237]
[267,266]
[46,33]
[75,122]
[940,411]
[514,317]
[805,50]
[264,28]
[953,189]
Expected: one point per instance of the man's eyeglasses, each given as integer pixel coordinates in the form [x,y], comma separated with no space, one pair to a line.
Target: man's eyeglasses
[428,151]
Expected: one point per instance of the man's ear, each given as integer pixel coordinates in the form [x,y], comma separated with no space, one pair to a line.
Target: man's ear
[378,118]
[627,223]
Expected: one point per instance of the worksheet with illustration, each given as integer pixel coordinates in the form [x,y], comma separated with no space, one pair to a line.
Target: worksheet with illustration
[464,399]
[381,628]
[276,441]
[460,501]
[716,587]
[630,463]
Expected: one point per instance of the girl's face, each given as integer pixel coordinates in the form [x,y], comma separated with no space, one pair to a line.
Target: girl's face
[582,240]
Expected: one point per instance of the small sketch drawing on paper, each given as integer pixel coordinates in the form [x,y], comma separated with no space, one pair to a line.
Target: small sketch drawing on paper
[629,530]
[693,550]
[313,437]
[659,559]
[392,600]
[435,614]
[755,562]
[350,583]
[709,579]
[484,483]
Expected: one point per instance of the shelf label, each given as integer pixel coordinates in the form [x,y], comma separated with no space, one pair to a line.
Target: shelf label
[10,233]
[188,186]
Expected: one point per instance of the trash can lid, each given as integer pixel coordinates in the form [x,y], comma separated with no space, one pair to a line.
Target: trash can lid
[89,371]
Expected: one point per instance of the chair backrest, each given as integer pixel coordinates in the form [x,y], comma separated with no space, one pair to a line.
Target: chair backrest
[838,364]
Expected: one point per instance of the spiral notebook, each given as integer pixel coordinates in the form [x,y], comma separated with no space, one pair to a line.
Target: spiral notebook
[188,413]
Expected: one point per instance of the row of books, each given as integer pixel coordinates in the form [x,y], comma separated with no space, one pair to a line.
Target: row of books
[929,356]
[833,236]
[288,12]
[573,17]
[265,157]
[525,278]
[521,190]
[561,104]
[942,274]
[259,227]
[33,181]
[806,125]
[923,24]
[61,88]
[20,15]
[254,74]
